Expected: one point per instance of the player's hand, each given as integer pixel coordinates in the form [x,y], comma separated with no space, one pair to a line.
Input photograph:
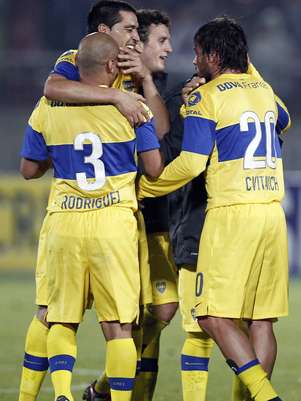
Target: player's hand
[130,105]
[190,86]
[129,62]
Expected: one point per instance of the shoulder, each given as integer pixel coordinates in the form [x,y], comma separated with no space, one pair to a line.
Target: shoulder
[69,56]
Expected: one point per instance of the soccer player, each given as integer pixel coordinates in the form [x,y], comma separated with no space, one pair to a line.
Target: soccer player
[91,224]
[118,19]
[230,130]
[154,32]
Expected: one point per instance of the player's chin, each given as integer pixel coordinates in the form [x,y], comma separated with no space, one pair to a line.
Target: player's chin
[159,66]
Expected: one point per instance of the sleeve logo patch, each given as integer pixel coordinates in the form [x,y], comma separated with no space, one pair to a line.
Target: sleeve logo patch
[194,99]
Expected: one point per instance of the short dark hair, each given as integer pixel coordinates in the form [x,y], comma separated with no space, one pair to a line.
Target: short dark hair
[107,12]
[224,36]
[148,17]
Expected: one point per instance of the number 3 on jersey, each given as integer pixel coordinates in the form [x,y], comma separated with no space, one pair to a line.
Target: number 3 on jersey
[250,162]
[93,158]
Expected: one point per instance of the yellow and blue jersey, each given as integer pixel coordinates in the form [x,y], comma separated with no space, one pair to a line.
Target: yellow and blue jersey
[231,128]
[93,151]
[66,66]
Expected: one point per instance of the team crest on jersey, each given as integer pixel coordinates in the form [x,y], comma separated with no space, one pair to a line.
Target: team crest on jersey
[194,99]
[161,286]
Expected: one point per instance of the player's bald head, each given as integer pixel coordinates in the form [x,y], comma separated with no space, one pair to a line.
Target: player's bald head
[95,51]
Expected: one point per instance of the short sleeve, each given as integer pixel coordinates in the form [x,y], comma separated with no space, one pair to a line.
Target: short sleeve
[34,146]
[146,137]
[66,66]
[199,124]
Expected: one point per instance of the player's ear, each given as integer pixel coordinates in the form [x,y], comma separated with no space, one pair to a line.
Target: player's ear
[103,28]
[112,66]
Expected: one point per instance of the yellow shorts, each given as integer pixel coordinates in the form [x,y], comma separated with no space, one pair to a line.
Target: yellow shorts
[41,270]
[186,289]
[146,288]
[163,272]
[243,264]
[95,251]
[41,267]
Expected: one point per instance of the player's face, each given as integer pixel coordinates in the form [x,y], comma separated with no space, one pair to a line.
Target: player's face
[157,48]
[200,62]
[125,32]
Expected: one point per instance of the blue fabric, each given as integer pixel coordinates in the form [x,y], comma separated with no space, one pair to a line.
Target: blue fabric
[121,383]
[189,362]
[35,362]
[118,158]
[61,362]
[247,366]
[149,365]
[146,137]
[232,143]
[34,146]
[199,135]
[283,118]
[67,70]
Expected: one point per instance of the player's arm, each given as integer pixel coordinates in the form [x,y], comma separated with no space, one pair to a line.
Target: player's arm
[63,85]
[198,143]
[178,173]
[148,149]
[35,159]
[130,63]
[33,169]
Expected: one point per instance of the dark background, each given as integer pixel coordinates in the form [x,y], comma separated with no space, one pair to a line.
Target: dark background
[34,33]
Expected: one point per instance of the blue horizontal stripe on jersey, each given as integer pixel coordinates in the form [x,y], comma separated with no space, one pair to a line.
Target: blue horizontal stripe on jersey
[67,70]
[121,383]
[189,362]
[118,158]
[149,365]
[199,135]
[37,363]
[283,119]
[34,146]
[232,143]
[247,366]
[61,362]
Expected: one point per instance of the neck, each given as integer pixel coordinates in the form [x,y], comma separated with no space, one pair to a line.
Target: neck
[96,79]
[226,71]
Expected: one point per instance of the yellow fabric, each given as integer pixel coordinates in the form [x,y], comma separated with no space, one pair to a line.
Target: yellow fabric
[61,341]
[93,252]
[146,288]
[123,82]
[35,345]
[102,385]
[41,267]
[239,390]
[163,272]
[180,171]
[186,289]
[121,362]
[146,381]
[194,382]
[62,126]
[242,267]
[255,379]
[230,121]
